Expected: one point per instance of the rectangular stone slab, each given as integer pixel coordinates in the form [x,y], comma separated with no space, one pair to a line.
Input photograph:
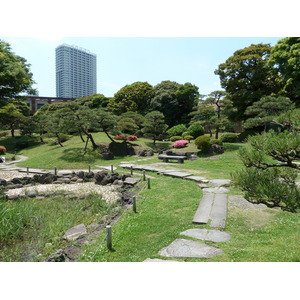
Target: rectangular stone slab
[195,178]
[203,212]
[219,211]
[189,248]
[177,174]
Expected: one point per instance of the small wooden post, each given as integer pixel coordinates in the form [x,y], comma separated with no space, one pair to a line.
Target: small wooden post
[131,171]
[149,183]
[55,171]
[134,204]
[27,170]
[112,168]
[89,168]
[108,237]
[144,175]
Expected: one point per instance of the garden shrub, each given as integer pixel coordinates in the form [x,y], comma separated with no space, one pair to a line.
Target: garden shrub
[3,134]
[2,150]
[180,144]
[203,143]
[216,142]
[229,137]
[196,129]
[188,137]
[242,137]
[132,138]
[176,130]
[175,138]
[184,134]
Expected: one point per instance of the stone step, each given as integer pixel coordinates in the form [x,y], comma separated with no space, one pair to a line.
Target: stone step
[203,212]
[219,211]
[159,260]
[207,234]
[189,248]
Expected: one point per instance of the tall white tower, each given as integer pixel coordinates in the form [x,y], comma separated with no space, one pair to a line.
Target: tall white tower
[76,72]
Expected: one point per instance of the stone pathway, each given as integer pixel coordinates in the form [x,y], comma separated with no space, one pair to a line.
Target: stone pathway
[212,208]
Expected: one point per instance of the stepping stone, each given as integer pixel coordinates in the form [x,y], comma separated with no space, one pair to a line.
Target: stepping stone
[75,232]
[202,185]
[106,167]
[177,174]
[189,248]
[131,180]
[195,178]
[207,234]
[219,211]
[219,182]
[64,172]
[203,212]
[126,166]
[216,190]
[159,260]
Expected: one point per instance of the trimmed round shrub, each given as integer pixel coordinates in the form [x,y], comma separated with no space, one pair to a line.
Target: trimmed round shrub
[180,144]
[2,150]
[203,143]
[176,130]
[186,133]
[188,137]
[175,138]
[229,137]
[196,129]
[216,142]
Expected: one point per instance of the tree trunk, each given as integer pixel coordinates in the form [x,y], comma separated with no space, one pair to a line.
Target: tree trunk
[87,140]
[58,140]
[81,137]
[92,141]
[217,132]
[12,130]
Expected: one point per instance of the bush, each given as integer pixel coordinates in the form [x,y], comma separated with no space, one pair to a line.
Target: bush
[132,138]
[188,137]
[203,143]
[196,129]
[186,133]
[175,138]
[176,130]
[2,150]
[229,137]
[216,142]
[120,137]
[180,144]
[3,134]
[242,137]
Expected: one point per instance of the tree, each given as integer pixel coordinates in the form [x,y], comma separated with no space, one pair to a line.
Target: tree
[130,122]
[154,125]
[284,61]
[165,100]
[15,76]
[262,112]
[13,113]
[246,77]
[93,101]
[187,97]
[271,170]
[134,97]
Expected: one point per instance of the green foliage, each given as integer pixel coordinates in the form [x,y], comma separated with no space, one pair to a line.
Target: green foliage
[284,61]
[93,101]
[188,137]
[175,138]
[203,143]
[176,130]
[245,76]
[262,112]
[216,142]
[154,125]
[15,75]
[196,129]
[134,97]
[242,137]
[229,137]
[274,187]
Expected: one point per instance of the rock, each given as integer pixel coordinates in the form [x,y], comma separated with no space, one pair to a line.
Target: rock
[189,248]
[141,152]
[32,194]
[107,155]
[105,219]
[74,179]
[16,181]
[75,232]
[65,180]
[207,235]
[99,176]
[79,180]
[58,256]
[202,185]
[80,174]
[47,178]
[12,197]
[94,226]
[72,251]
[219,182]
[3,182]
[131,180]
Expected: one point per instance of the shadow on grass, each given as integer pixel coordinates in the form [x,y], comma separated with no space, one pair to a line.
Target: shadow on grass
[158,146]
[78,155]
[18,143]
[232,146]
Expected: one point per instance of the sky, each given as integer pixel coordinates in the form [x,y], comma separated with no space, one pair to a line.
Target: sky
[125,60]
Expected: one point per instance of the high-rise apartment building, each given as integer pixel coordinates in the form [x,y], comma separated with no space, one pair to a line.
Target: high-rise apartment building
[76,72]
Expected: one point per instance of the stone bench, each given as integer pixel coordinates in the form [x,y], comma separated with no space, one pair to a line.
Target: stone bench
[166,158]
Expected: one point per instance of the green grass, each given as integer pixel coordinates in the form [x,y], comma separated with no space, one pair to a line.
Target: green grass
[31,229]
[257,235]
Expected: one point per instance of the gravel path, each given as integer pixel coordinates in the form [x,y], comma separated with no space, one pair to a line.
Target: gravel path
[8,175]
[108,193]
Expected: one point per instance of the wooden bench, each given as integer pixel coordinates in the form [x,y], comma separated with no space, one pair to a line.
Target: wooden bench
[166,158]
